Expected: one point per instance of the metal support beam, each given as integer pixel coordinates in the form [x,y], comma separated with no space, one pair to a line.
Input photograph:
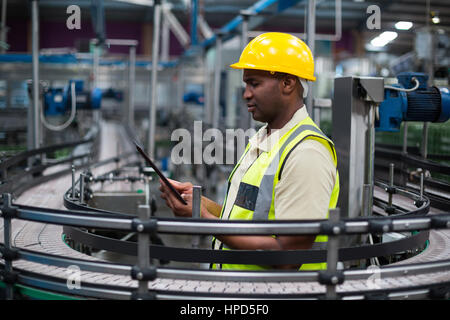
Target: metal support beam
[311,39]
[33,111]
[131,85]
[143,248]
[3,28]
[196,214]
[175,26]
[217,76]
[129,112]
[332,256]
[165,41]
[352,122]
[7,234]
[319,36]
[98,20]
[250,122]
[205,29]
[155,56]
[95,73]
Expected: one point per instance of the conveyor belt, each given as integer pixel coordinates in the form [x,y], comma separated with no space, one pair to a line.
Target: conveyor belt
[47,238]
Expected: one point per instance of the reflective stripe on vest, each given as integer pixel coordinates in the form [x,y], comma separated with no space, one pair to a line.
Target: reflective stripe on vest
[255,198]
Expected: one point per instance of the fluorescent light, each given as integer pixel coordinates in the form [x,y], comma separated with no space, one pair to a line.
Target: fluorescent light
[403,25]
[383,39]
[378,42]
[389,35]
[148,3]
[370,47]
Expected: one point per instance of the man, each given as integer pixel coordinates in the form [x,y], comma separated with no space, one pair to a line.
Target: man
[288,169]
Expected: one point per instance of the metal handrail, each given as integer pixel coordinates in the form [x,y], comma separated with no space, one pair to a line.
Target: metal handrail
[227,275]
[26,154]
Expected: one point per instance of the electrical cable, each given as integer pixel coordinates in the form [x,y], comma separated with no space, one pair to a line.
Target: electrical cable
[405,90]
[72,113]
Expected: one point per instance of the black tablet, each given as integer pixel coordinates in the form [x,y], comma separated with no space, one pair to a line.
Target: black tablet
[160,174]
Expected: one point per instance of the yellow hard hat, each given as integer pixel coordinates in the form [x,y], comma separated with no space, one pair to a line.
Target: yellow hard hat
[276,51]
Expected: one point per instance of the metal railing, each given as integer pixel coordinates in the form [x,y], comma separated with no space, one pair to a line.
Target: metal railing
[334,228]
[146,224]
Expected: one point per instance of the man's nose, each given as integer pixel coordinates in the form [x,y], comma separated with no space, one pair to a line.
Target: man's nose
[247,93]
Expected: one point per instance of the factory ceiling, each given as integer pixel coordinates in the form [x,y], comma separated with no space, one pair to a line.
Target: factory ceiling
[217,13]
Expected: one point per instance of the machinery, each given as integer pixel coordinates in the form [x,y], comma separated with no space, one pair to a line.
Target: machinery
[58,100]
[412,100]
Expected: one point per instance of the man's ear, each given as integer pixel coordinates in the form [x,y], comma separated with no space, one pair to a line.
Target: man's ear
[288,84]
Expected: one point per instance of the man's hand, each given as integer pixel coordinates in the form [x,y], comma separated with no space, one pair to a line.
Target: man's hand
[185,190]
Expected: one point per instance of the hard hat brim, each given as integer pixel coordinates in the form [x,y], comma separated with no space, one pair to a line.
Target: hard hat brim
[239,65]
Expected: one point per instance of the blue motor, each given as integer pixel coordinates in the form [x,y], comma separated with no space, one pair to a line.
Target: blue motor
[57,101]
[412,100]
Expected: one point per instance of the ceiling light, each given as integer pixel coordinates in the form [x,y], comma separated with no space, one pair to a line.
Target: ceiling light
[378,42]
[435,17]
[389,35]
[383,39]
[403,25]
[148,3]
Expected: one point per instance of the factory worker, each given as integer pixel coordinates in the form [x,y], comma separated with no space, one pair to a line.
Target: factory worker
[289,167]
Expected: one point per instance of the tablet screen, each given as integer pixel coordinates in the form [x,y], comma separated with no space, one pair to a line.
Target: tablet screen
[160,174]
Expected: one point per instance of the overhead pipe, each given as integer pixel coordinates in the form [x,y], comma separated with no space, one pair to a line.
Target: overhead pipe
[233,24]
[194,14]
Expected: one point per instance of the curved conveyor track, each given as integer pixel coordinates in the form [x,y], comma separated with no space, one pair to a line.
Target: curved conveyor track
[47,238]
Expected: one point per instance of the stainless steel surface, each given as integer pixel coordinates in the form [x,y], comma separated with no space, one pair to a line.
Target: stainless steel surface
[369,154]
[118,201]
[351,133]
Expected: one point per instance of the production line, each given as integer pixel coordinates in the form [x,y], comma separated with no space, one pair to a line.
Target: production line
[81,213]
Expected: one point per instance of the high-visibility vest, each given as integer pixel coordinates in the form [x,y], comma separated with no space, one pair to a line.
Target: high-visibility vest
[255,197]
